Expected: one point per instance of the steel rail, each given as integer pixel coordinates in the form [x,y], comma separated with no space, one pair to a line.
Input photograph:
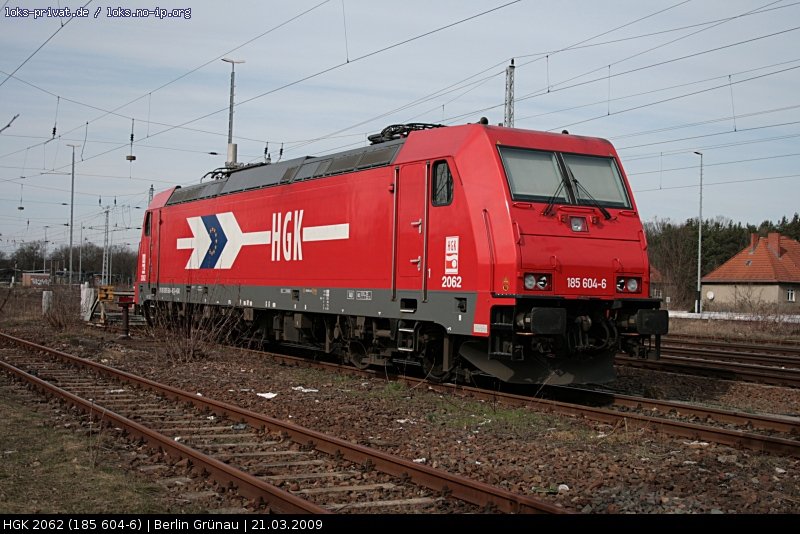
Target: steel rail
[772,347]
[247,485]
[754,358]
[471,491]
[786,425]
[724,370]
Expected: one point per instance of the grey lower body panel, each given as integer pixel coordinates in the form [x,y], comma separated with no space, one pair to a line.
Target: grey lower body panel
[455,311]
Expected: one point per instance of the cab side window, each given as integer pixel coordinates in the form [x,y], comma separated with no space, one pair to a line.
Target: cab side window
[442,184]
[147,223]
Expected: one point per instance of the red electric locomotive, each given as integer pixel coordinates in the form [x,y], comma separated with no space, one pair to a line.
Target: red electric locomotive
[464,249]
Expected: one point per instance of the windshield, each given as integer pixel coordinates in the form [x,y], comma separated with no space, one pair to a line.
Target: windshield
[532,175]
[536,175]
[600,181]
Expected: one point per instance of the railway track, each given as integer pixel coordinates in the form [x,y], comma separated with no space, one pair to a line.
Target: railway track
[766,354]
[716,368]
[775,364]
[774,434]
[775,347]
[290,468]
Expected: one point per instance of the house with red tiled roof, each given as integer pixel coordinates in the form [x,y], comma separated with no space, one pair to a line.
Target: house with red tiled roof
[767,272]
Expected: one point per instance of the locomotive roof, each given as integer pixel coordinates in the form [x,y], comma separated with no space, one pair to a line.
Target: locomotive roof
[382,153]
[292,170]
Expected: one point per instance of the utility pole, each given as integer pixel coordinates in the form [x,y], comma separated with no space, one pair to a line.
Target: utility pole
[508,121]
[231,147]
[71,210]
[150,195]
[699,303]
[104,276]
[111,258]
[44,263]
[80,258]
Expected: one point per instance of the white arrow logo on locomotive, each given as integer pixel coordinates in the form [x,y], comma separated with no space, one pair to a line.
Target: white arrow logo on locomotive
[217,239]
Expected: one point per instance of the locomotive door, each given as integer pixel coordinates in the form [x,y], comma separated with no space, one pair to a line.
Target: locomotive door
[153,230]
[145,252]
[411,229]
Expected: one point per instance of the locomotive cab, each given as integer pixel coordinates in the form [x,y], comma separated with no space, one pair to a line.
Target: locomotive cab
[580,290]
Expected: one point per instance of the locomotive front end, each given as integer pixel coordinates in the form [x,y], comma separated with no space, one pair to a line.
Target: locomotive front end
[581,290]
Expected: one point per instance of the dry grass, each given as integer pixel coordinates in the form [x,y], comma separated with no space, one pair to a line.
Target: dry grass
[65,309]
[20,305]
[765,330]
[48,468]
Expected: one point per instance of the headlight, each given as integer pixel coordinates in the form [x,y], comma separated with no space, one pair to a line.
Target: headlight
[538,281]
[629,285]
[632,285]
[530,281]
[578,224]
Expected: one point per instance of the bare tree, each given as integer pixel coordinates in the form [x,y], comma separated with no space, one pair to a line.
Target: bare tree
[672,249]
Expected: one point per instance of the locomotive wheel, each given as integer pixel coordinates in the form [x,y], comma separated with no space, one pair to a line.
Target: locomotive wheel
[357,355]
[432,367]
[432,356]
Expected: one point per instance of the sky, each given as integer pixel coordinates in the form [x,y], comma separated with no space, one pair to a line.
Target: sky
[662,80]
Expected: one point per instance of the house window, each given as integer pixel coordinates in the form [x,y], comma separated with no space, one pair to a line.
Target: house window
[790,295]
[657,293]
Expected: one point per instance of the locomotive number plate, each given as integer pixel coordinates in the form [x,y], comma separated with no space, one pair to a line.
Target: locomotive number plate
[576,282]
[451,281]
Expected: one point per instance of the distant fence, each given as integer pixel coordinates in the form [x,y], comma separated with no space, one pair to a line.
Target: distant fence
[732,316]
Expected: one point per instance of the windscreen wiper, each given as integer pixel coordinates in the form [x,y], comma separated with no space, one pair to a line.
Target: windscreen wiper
[579,187]
[552,200]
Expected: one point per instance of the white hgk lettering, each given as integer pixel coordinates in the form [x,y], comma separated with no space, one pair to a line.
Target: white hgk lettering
[276,237]
[287,236]
[298,243]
